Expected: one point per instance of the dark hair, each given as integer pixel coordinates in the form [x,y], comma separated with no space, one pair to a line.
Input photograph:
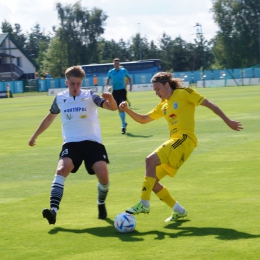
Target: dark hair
[163,77]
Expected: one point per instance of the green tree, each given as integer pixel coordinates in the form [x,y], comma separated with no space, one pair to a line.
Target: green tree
[154,52]
[182,55]
[6,27]
[105,51]
[16,32]
[167,53]
[237,41]
[124,50]
[136,45]
[110,49]
[37,41]
[55,59]
[80,30]
[19,35]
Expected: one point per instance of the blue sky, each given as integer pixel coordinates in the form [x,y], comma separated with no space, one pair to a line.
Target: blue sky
[125,18]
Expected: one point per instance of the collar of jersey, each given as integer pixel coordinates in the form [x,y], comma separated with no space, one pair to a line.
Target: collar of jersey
[77,95]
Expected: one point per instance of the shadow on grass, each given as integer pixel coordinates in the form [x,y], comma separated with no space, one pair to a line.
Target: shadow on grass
[218,232]
[109,231]
[142,136]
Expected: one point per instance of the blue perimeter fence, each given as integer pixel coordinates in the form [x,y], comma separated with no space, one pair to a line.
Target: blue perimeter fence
[43,85]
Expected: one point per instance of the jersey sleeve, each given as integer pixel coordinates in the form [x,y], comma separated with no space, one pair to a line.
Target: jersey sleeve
[97,99]
[126,73]
[54,107]
[193,96]
[157,112]
[109,75]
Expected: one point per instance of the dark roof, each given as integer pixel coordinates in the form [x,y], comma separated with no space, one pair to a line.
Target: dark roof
[3,36]
[6,55]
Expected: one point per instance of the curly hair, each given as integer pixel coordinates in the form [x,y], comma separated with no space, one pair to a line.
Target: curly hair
[163,77]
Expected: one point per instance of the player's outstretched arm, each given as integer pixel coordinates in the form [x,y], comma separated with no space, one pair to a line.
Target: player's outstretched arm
[142,119]
[235,125]
[46,122]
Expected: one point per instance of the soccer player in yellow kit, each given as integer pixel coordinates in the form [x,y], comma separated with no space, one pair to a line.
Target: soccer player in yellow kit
[177,107]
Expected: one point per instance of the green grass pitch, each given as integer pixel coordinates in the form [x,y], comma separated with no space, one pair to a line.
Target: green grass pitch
[219,185]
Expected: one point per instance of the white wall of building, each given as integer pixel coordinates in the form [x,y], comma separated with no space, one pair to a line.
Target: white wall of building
[26,65]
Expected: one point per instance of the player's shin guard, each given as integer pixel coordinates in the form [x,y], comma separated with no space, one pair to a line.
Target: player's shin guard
[147,187]
[57,191]
[102,192]
[166,197]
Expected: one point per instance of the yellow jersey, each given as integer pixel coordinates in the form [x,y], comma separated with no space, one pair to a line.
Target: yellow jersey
[179,112]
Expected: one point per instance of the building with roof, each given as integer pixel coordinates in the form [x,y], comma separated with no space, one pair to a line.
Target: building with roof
[15,62]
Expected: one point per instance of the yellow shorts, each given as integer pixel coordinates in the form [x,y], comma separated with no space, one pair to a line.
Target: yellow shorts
[173,153]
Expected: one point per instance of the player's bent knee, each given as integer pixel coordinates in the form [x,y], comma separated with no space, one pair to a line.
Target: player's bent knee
[63,172]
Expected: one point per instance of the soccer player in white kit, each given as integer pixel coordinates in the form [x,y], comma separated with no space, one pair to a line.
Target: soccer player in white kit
[82,138]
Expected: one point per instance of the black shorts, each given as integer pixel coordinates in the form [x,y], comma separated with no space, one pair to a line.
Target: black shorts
[88,151]
[119,95]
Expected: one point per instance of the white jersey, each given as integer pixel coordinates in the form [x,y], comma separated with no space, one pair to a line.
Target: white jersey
[78,115]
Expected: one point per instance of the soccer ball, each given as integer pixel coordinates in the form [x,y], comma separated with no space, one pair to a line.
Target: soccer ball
[124,222]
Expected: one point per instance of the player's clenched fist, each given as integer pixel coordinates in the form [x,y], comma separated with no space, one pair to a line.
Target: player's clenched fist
[106,95]
[123,105]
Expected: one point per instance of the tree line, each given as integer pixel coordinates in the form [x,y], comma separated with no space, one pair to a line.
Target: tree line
[77,39]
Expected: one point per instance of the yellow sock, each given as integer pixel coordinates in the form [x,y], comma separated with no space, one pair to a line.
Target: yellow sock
[147,187]
[165,196]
